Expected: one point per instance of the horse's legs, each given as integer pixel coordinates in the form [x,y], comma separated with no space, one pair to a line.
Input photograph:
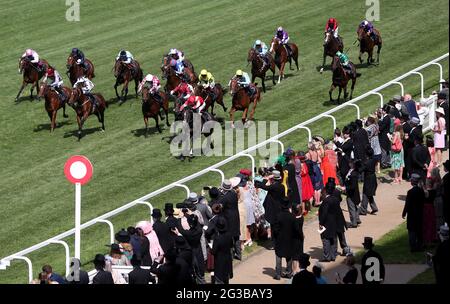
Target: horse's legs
[53,124]
[339,95]
[378,53]
[281,74]
[273,75]
[37,88]
[166,111]
[157,123]
[369,57]
[64,111]
[233,109]
[31,91]
[290,64]
[252,112]
[323,61]
[345,94]
[146,124]
[102,116]
[296,63]
[80,126]
[352,88]
[136,85]
[331,91]
[244,116]
[263,84]
[115,88]
[21,89]
[360,57]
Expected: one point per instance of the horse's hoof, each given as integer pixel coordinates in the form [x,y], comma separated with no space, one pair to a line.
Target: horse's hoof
[321,70]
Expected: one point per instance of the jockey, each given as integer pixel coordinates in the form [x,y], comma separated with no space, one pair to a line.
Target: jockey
[332,26]
[262,50]
[284,38]
[155,86]
[86,87]
[183,91]
[179,57]
[125,57]
[196,102]
[244,82]
[206,80]
[33,57]
[368,28]
[54,80]
[345,62]
[79,56]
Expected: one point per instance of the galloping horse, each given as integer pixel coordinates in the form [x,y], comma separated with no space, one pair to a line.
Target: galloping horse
[366,45]
[75,71]
[340,79]
[124,73]
[53,102]
[331,46]
[31,74]
[151,108]
[83,107]
[218,91]
[173,80]
[241,101]
[257,66]
[281,55]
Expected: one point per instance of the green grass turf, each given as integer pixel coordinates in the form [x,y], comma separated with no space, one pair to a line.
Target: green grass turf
[35,199]
[394,248]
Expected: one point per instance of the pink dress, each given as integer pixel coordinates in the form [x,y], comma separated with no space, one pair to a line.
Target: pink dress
[432,163]
[439,133]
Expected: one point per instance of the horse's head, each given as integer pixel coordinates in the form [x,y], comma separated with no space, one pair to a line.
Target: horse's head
[327,38]
[251,55]
[43,88]
[23,63]
[336,63]
[70,61]
[145,91]
[74,96]
[274,44]
[234,86]
[361,33]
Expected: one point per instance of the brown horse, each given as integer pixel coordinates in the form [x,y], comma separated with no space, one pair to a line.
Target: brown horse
[367,44]
[173,80]
[240,101]
[151,108]
[257,66]
[281,55]
[341,78]
[84,108]
[125,73]
[53,102]
[75,71]
[31,74]
[331,45]
[207,94]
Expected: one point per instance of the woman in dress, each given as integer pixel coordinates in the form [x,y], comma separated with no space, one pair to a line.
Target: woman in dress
[307,187]
[439,131]
[432,151]
[315,155]
[373,130]
[329,164]
[397,158]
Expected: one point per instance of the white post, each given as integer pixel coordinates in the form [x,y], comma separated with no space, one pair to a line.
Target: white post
[77,219]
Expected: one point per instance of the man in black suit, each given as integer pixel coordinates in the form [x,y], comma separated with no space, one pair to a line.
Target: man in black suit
[229,202]
[414,210]
[139,275]
[352,191]
[162,230]
[184,261]
[83,277]
[168,272]
[441,261]
[360,141]
[223,260]
[372,266]
[384,124]
[446,192]
[328,216]
[420,158]
[345,152]
[370,184]
[285,231]
[304,277]
[413,131]
[102,276]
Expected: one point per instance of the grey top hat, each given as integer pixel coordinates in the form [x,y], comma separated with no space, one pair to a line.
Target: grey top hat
[276,174]
[226,185]
[444,231]
[193,197]
[415,120]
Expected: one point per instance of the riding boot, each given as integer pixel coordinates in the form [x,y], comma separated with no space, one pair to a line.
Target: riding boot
[212,96]
[289,50]
[61,92]
[373,36]
[85,67]
[158,98]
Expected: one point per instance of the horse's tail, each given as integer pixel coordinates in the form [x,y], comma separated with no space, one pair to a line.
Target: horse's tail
[358,75]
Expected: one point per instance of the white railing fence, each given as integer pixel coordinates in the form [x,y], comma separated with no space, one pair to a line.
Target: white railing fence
[428,120]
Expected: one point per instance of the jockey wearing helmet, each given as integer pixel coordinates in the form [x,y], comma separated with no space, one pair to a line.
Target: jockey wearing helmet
[262,50]
[195,102]
[183,91]
[345,62]
[155,85]
[283,36]
[368,28]
[125,57]
[179,57]
[332,26]
[79,57]
[86,87]
[244,82]
[54,81]
[206,80]
[33,57]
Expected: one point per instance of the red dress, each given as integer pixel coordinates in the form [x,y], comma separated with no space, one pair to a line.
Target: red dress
[329,163]
[307,187]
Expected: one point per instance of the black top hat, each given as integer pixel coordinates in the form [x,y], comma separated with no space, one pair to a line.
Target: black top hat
[123,236]
[99,260]
[168,207]
[304,260]
[447,165]
[221,224]
[368,242]
[156,213]
[331,180]
[213,193]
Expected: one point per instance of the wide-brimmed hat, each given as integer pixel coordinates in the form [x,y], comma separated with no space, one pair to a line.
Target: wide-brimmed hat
[440,110]
[444,231]
[235,181]
[146,226]
[156,213]
[226,185]
[168,207]
[193,197]
[243,178]
[276,174]
[122,236]
[246,172]
[368,242]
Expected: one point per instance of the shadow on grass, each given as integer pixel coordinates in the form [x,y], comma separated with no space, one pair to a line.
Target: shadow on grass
[84,132]
[142,132]
[47,127]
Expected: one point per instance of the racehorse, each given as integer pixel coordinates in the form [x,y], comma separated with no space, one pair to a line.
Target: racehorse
[53,102]
[341,78]
[124,73]
[151,108]
[206,94]
[240,101]
[31,74]
[83,107]
[173,80]
[331,46]
[281,55]
[366,45]
[257,66]
[75,71]
[188,115]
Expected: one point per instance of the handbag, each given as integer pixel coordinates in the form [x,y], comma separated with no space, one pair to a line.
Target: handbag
[397,146]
